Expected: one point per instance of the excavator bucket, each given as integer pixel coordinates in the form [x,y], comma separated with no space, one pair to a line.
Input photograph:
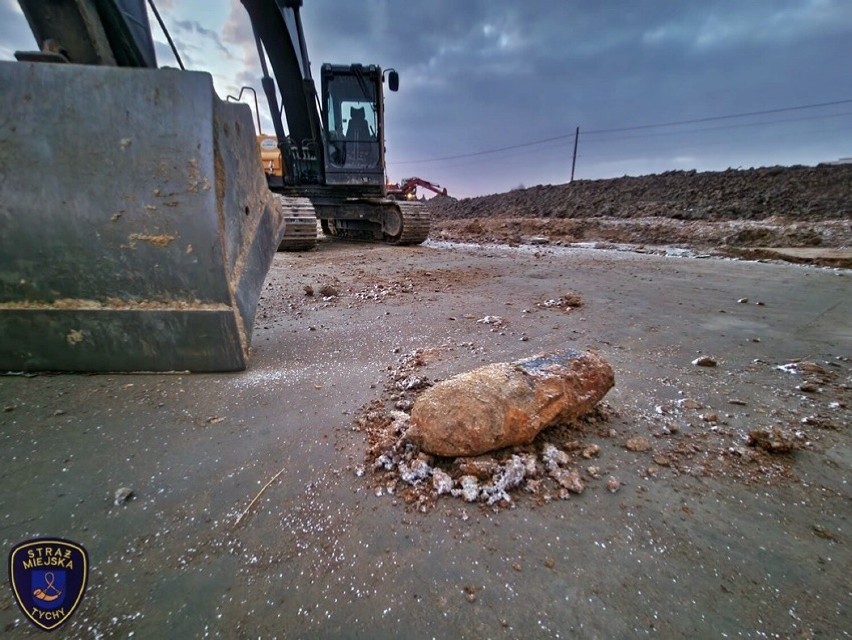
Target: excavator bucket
[136,227]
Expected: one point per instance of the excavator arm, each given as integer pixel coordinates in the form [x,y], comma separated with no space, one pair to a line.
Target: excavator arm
[407,188]
[277,28]
[413,183]
[336,146]
[98,32]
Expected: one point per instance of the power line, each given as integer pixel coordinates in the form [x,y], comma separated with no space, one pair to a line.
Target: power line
[598,153]
[482,153]
[545,161]
[722,128]
[728,117]
[563,144]
[632,128]
[547,168]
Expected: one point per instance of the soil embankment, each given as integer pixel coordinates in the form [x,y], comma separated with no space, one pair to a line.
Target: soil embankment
[733,212]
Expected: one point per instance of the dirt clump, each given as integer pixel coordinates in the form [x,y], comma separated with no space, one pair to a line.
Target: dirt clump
[547,468]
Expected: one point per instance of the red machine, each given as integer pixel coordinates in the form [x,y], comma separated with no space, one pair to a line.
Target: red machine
[407,189]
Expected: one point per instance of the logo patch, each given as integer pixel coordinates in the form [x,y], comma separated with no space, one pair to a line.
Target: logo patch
[48,577]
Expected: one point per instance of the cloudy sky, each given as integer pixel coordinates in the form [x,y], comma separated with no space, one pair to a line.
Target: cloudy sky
[492,90]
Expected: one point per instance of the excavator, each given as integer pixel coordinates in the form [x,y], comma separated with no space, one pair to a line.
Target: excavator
[333,156]
[136,223]
[406,189]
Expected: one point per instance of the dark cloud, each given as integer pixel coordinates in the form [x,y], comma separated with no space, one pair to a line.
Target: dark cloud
[193,26]
[484,74]
[237,31]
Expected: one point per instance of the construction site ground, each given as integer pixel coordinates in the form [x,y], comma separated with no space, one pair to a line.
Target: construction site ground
[698,535]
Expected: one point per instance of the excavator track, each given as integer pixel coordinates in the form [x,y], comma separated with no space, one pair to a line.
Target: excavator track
[336,230]
[300,224]
[415,224]
[396,223]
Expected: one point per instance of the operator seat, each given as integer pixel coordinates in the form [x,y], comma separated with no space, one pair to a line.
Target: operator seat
[358,128]
[361,147]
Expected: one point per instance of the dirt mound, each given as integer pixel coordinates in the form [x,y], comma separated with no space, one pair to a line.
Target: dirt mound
[807,193]
[767,207]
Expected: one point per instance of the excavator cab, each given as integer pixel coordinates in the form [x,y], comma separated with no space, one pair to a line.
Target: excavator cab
[353,124]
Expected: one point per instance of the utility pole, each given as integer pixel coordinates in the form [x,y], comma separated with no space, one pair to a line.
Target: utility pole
[574,161]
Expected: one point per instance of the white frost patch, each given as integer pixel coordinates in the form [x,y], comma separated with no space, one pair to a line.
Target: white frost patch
[415,472]
[442,482]
[469,490]
[554,458]
[510,476]
[792,368]
[257,377]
